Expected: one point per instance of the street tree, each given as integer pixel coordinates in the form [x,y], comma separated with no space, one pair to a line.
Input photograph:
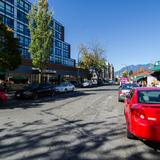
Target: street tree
[130,73]
[92,59]
[125,74]
[41,31]
[10,56]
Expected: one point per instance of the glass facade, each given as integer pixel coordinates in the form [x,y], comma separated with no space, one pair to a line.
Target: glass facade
[21,16]
[14,12]
[10,1]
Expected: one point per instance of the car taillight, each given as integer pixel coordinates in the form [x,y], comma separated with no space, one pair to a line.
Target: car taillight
[138,112]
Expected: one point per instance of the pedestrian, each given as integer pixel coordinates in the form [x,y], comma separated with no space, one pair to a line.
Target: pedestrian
[140,83]
[144,83]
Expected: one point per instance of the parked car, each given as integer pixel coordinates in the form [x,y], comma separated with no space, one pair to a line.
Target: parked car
[124,89]
[75,83]
[87,83]
[142,113]
[35,90]
[3,97]
[65,87]
[111,82]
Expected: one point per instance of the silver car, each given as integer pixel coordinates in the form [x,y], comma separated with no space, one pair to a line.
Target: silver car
[87,83]
[124,90]
[65,87]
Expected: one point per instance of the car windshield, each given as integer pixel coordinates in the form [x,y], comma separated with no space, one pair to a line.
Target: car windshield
[86,81]
[129,86]
[64,84]
[149,96]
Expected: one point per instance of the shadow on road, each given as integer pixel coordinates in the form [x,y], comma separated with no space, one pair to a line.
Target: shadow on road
[29,103]
[62,139]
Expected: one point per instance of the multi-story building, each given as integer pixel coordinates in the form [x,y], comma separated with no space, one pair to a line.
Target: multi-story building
[14,14]
[108,73]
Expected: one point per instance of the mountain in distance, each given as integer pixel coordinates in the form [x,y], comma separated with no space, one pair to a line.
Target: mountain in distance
[133,68]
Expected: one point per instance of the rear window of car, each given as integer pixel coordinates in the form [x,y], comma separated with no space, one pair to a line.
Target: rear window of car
[129,86]
[149,96]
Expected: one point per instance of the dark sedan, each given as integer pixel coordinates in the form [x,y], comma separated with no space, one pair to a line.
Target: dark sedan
[35,90]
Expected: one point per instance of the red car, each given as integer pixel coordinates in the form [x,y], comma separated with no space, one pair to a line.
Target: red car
[142,113]
[3,97]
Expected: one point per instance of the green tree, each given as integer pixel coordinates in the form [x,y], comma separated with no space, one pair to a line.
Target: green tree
[10,56]
[125,74]
[92,59]
[130,73]
[41,31]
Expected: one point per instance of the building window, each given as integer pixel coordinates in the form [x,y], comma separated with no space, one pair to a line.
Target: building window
[22,17]
[58,27]
[58,52]
[58,60]
[2,18]
[2,6]
[9,10]
[21,39]
[26,42]
[66,47]
[20,28]
[58,44]
[66,54]
[52,58]
[27,7]
[65,61]
[23,5]
[10,1]
[9,22]
[20,4]
[68,62]
[58,35]
[27,32]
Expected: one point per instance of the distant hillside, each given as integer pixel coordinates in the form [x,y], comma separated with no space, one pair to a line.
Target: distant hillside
[133,68]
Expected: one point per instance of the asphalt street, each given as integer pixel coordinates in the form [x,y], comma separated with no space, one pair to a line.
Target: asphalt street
[88,124]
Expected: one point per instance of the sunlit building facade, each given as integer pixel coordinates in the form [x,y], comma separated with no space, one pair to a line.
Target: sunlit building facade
[13,13]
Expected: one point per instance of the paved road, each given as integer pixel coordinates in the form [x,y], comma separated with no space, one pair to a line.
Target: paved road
[86,125]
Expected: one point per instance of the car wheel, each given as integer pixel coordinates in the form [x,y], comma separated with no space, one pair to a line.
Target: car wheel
[119,100]
[65,90]
[52,93]
[35,96]
[1,103]
[130,135]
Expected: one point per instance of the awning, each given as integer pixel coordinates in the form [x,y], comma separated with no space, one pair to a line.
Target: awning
[140,77]
[156,68]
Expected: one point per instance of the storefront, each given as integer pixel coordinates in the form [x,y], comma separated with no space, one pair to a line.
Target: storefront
[48,75]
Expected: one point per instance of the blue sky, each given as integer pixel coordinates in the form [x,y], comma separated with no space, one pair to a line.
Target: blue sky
[128,30]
